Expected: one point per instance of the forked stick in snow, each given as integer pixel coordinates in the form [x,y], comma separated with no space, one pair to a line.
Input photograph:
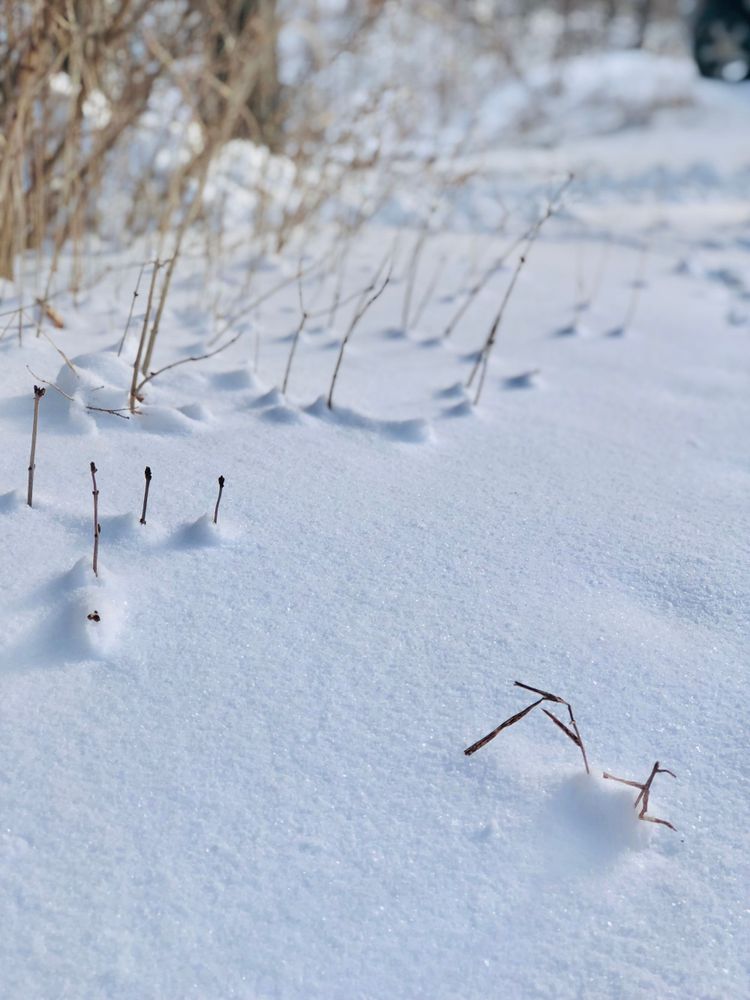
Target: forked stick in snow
[571,730]
[97,526]
[643,794]
[185,361]
[218,499]
[38,393]
[359,312]
[147,475]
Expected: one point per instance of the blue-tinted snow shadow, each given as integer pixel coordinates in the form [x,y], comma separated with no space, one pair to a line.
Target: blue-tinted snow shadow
[11,501]
[81,619]
[199,534]
[414,431]
[587,824]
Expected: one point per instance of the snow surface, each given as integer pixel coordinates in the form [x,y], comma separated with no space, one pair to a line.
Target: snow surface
[247,779]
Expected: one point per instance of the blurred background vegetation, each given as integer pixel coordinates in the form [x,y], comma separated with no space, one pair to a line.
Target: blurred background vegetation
[148,92]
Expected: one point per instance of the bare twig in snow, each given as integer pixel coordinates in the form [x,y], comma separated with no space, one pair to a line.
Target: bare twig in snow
[147,475]
[186,361]
[97,526]
[358,314]
[133,399]
[571,730]
[484,355]
[218,499]
[644,792]
[132,307]
[114,411]
[38,393]
[503,725]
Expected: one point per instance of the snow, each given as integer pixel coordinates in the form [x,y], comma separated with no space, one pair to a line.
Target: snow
[247,779]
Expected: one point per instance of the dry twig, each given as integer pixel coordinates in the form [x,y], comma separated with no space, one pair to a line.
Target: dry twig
[571,730]
[114,411]
[38,393]
[359,312]
[484,354]
[147,475]
[97,526]
[644,792]
[218,499]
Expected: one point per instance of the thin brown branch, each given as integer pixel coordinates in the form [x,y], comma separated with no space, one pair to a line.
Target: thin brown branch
[147,476]
[114,411]
[218,499]
[482,362]
[545,694]
[97,526]
[645,790]
[38,393]
[503,725]
[569,733]
[358,314]
[623,781]
[185,361]
[132,307]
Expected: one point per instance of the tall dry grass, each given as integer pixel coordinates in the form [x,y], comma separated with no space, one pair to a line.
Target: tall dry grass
[77,77]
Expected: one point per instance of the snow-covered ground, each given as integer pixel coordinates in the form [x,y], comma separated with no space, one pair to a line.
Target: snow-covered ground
[247,779]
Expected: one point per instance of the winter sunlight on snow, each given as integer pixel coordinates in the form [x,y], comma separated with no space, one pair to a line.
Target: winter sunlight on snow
[391,353]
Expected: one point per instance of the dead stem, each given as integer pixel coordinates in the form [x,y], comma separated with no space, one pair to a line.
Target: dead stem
[358,314]
[147,475]
[38,393]
[218,499]
[571,730]
[97,526]
[645,791]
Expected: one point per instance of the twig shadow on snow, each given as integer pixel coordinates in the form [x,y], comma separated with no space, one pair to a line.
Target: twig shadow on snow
[454,391]
[414,431]
[464,408]
[236,380]
[524,380]
[199,534]
[10,501]
[273,408]
[573,329]
[430,343]
[394,333]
